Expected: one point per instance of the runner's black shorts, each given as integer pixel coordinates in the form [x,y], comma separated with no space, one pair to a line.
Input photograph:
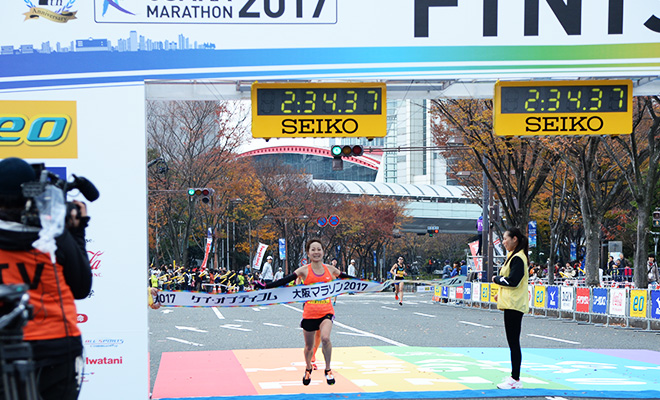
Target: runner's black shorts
[398,278]
[311,325]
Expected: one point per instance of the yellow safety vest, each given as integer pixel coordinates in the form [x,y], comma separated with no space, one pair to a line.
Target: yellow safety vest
[514,298]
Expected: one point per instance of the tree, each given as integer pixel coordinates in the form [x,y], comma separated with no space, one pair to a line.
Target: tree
[516,168]
[197,141]
[599,186]
[640,165]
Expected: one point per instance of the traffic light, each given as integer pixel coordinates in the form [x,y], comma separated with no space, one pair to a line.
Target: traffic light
[656,218]
[204,194]
[346,151]
[431,230]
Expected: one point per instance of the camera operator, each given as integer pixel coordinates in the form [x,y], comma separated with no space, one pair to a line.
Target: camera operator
[52,333]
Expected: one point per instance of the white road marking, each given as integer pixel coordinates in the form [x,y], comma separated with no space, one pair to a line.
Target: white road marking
[475,324]
[218,313]
[167,311]
[235,327]
[551,338]
[350,328]
[389,308]
[184,341]
[189,328]
[350,333]
[364,382]
[269,324]
[424,315]
[241,320]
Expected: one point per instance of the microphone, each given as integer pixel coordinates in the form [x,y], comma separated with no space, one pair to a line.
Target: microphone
[85,187]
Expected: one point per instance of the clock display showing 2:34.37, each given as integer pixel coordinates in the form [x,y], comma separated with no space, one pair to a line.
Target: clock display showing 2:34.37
[319,101]
[564,99]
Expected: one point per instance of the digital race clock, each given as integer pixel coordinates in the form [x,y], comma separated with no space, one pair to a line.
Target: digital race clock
[602,107]
[306,109]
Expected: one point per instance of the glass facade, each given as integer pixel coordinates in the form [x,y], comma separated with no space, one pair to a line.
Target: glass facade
[319,167]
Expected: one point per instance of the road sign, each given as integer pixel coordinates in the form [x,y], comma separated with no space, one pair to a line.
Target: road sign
[333,220]
[319,109]
[322,221]
[535,108]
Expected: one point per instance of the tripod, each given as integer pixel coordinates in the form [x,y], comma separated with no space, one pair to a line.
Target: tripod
[16,365]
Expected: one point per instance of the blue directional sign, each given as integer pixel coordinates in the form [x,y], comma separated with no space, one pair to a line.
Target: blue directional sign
[333,220]
[322,221]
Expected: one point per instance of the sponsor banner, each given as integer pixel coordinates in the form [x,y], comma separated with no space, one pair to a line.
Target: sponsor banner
[638,302]
[494,290]
[445,291]
[425,288]
[552,293]
[476,291]
[599,300]
[485,292]
[119,42]
[539,296]
[452,292]
[582,300]
[467,291]
[618,301]
[530,294]
[259,257]
[207,250]
[320,292]
[38,129]
[459,292]
[567,298]
[655,304]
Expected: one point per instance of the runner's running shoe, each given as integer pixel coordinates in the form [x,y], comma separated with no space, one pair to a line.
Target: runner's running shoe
[510,383]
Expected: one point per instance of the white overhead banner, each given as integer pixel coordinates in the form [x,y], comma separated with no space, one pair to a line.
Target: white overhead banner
[109,41]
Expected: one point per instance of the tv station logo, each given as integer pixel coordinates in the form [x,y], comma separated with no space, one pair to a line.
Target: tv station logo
[51,10]
[217,12]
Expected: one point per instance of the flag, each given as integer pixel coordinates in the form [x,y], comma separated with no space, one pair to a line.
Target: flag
[259,257]
[209,240]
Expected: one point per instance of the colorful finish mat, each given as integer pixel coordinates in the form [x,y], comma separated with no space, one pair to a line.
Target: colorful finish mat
[391,372]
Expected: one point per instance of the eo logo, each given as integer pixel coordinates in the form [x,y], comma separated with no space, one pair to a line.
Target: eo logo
[38,129]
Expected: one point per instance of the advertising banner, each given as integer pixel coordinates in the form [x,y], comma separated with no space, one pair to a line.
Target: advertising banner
[485,292]
[282,248]
[259,257]
[459,292]
[444,291]
[618,301]
[531,230]
[582,300]
[452,292]
[638,302]
[599,300]
[494,290]
[655,304]
[539,296]
[530,291]
[102,41]
[567,298]
[467,291]
[207,249]
[552,293]
[476,291]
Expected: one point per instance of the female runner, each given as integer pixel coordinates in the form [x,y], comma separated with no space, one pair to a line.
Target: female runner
[317,314]
[398,271]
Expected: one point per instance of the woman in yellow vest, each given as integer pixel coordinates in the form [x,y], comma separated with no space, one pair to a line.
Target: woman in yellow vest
[513,298]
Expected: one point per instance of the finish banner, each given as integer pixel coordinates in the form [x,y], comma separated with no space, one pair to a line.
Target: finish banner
[288,294]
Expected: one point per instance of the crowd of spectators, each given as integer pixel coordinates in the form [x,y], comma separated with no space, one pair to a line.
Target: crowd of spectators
[210,280]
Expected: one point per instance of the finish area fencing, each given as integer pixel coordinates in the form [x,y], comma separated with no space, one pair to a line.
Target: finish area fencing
[627,307]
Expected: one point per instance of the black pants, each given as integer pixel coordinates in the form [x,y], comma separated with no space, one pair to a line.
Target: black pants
[512,327]
[59,381]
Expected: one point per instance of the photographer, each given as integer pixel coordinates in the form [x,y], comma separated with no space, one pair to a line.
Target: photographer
[52,332]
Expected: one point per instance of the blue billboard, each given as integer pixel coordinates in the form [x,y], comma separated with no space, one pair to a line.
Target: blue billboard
[552,294]
[600,300]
